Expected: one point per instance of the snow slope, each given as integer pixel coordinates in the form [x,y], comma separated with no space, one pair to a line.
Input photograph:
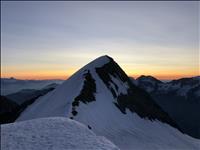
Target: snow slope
[62,95]
[101,96]
[54,133]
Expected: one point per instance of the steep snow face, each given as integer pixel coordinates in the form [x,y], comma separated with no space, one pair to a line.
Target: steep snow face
[55,133]
[129,131]
[101,96]
[127,96]
[60,101]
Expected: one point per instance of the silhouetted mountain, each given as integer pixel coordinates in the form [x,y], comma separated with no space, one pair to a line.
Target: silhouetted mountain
[8,110]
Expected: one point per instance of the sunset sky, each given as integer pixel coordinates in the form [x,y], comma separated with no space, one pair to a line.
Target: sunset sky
[52,40]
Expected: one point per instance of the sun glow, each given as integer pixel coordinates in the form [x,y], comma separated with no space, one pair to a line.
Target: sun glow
[40,75]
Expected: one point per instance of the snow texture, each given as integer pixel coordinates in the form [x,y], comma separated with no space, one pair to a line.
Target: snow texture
[55,133]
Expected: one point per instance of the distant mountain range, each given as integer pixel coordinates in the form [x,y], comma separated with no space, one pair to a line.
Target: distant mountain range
[179,98]
[12,85]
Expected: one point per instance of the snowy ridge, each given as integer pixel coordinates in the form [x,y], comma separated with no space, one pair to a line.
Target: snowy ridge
[62,95]
[51,133]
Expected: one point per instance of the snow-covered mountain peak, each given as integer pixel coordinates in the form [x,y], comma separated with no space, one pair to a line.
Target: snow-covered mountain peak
[98,62]
[101,60]
[101,96]
[100,82]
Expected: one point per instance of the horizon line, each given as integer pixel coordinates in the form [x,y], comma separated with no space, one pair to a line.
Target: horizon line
[159,77]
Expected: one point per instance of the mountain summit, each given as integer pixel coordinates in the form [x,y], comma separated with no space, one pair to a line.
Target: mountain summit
[105,73]
[103,97]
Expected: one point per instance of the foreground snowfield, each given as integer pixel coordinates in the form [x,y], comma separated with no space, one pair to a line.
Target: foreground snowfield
[55,133]
[61,133]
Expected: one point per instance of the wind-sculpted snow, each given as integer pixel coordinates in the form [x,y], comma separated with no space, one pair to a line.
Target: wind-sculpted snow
[51,133]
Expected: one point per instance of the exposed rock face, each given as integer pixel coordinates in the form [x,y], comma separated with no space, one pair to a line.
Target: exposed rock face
[87,93]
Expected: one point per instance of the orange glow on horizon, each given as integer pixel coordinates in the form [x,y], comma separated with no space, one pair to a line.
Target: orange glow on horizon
[37,76]
[64,77]
[132,71]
